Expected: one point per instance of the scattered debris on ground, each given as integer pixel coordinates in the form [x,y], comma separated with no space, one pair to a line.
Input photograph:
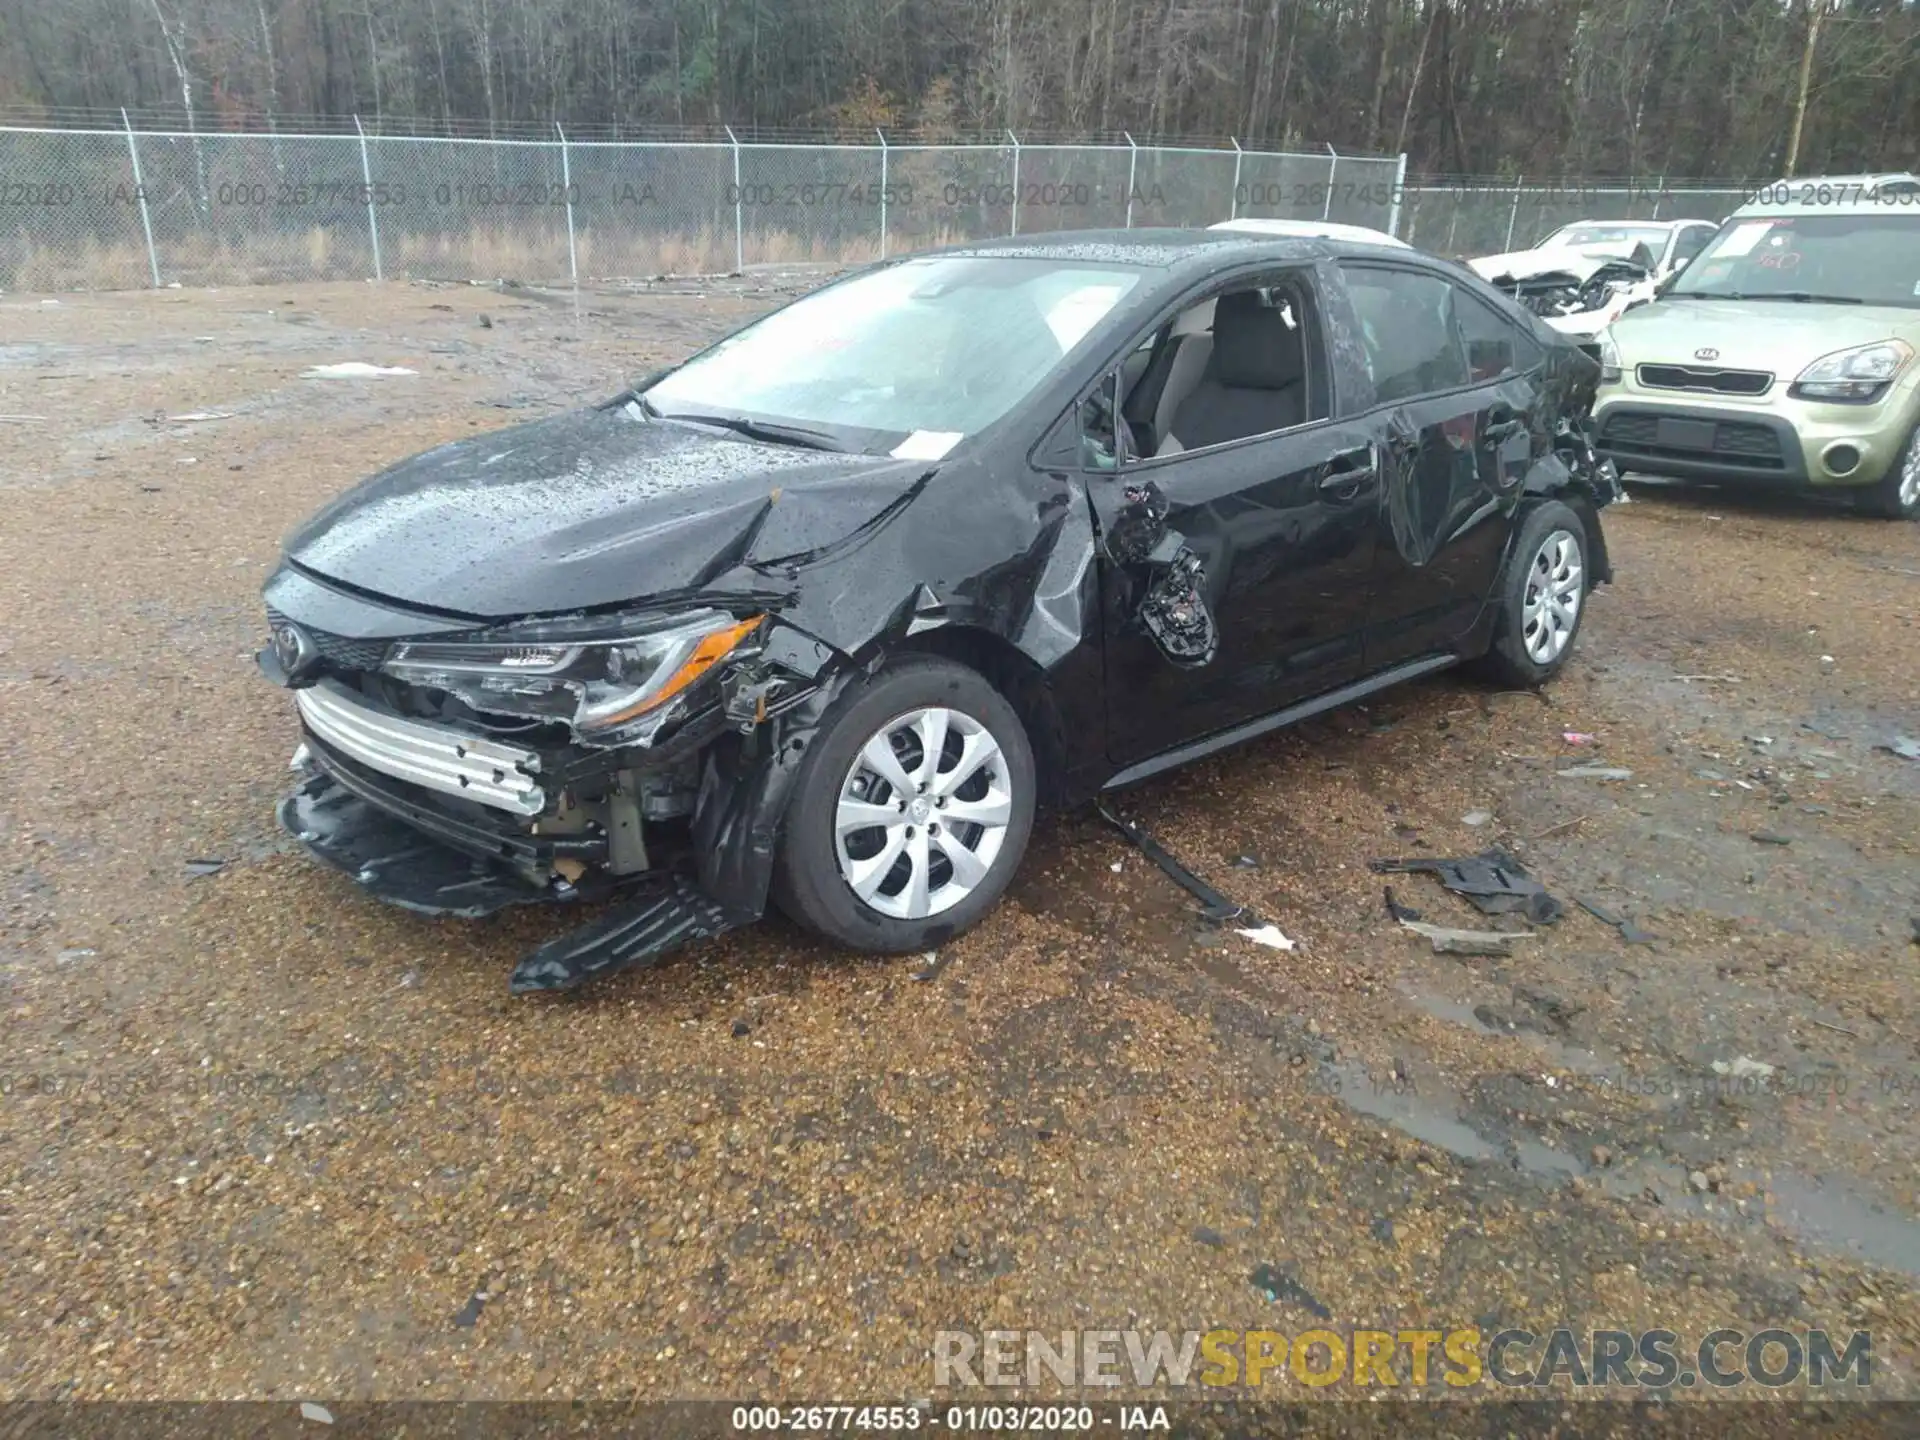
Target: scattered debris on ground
[1279,1286]
[353,370]
[1446,941]
[1493,880]
[1595,772]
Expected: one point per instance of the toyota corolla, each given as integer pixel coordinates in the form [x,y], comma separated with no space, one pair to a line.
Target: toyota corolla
[821,616]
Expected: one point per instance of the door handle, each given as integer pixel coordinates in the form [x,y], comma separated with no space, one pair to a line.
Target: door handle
[1346,473]
[1502,426]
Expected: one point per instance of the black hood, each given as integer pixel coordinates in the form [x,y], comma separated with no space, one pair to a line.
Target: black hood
[590,508]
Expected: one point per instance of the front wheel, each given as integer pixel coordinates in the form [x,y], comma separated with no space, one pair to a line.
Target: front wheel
[1897,496]
[911,810]
[1542,598]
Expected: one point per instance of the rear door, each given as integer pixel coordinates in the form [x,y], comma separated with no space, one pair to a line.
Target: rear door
[1456,411]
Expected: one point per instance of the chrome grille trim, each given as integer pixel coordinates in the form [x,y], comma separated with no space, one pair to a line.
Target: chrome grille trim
[437,757]
[1710,378]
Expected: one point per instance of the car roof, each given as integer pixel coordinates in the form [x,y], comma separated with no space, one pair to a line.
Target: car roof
[1836,195]
[1174,249]
[1311,229]
[1637,224]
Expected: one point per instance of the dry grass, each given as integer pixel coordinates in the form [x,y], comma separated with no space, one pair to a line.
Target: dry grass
[479,253]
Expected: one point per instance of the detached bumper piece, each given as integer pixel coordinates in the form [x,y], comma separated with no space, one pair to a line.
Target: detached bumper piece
[402,865]
[665,913]
[395,861]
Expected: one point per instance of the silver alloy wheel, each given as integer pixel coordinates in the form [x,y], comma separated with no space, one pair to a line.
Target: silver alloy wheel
[1556,584]
[1910,477]
[922,813]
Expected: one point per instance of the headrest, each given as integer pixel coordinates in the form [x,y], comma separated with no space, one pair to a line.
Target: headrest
[1252,347]
[1195,319]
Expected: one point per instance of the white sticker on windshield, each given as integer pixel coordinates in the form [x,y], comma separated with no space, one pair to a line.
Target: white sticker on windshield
[1743,239]
[926,445]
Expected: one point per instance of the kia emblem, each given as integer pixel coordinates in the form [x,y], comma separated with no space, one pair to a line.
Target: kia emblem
[1706,352]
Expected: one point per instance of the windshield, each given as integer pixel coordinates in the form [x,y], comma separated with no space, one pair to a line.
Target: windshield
[1864,259]
[1610,239]
[931,350]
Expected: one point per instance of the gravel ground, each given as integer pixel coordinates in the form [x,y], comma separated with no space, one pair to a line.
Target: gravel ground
[264,1137]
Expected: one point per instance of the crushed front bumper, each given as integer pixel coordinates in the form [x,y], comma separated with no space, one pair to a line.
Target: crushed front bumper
[439,822]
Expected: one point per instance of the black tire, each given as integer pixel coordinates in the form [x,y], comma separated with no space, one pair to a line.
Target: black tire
[808,883]
[1887,499]
[1510,660]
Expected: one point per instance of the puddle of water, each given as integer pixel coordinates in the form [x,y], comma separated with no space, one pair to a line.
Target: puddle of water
[1405,1110]
[1538,1159]
[1842,1219]
[1567,1057]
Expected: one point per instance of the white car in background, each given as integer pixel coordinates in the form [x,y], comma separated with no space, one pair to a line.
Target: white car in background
[1584,276]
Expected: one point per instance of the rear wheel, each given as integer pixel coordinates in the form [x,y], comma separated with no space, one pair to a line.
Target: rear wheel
[911,811]
[1542,598]
[1897,496]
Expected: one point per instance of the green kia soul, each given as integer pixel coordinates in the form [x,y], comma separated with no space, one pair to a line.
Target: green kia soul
[1785,353]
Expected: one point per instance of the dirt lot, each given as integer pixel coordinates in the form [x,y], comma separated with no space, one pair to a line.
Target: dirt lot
[261,1136]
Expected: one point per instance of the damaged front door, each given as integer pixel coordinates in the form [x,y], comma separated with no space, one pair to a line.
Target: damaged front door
[1236,553]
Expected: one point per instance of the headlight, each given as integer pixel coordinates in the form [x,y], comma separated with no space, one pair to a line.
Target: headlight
[607,685]
[1609,358]
[1860,375]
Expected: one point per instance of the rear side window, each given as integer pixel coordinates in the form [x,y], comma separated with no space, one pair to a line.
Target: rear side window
[1494,346]
[1407,331]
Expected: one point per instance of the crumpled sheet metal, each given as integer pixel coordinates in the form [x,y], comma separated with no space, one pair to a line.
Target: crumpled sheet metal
[1173,605]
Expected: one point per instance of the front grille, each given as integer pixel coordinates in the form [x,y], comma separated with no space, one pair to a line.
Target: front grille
[341,652]
[1696,377]
[1753,445]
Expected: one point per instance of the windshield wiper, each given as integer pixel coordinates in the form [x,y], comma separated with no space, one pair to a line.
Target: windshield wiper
[1802,297]
[1807,297]
[769,430]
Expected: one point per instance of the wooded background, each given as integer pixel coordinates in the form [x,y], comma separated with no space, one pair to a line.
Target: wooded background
[1471,87]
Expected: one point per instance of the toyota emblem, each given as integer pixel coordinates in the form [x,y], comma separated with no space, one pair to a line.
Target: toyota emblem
[1706,352]
[295,651]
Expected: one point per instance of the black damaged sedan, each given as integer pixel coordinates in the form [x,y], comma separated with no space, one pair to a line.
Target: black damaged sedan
[819,617]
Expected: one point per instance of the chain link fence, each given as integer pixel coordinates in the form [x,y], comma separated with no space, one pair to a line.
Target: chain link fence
[116,208]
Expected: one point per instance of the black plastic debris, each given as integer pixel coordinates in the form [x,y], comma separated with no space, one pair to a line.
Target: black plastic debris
[670,912]
[1493,880]
[394,861]
[1213,905]
[936,962]
[1206,1235]
[1629,932]
[468,1315]
[1278,1287]
[1397,911]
